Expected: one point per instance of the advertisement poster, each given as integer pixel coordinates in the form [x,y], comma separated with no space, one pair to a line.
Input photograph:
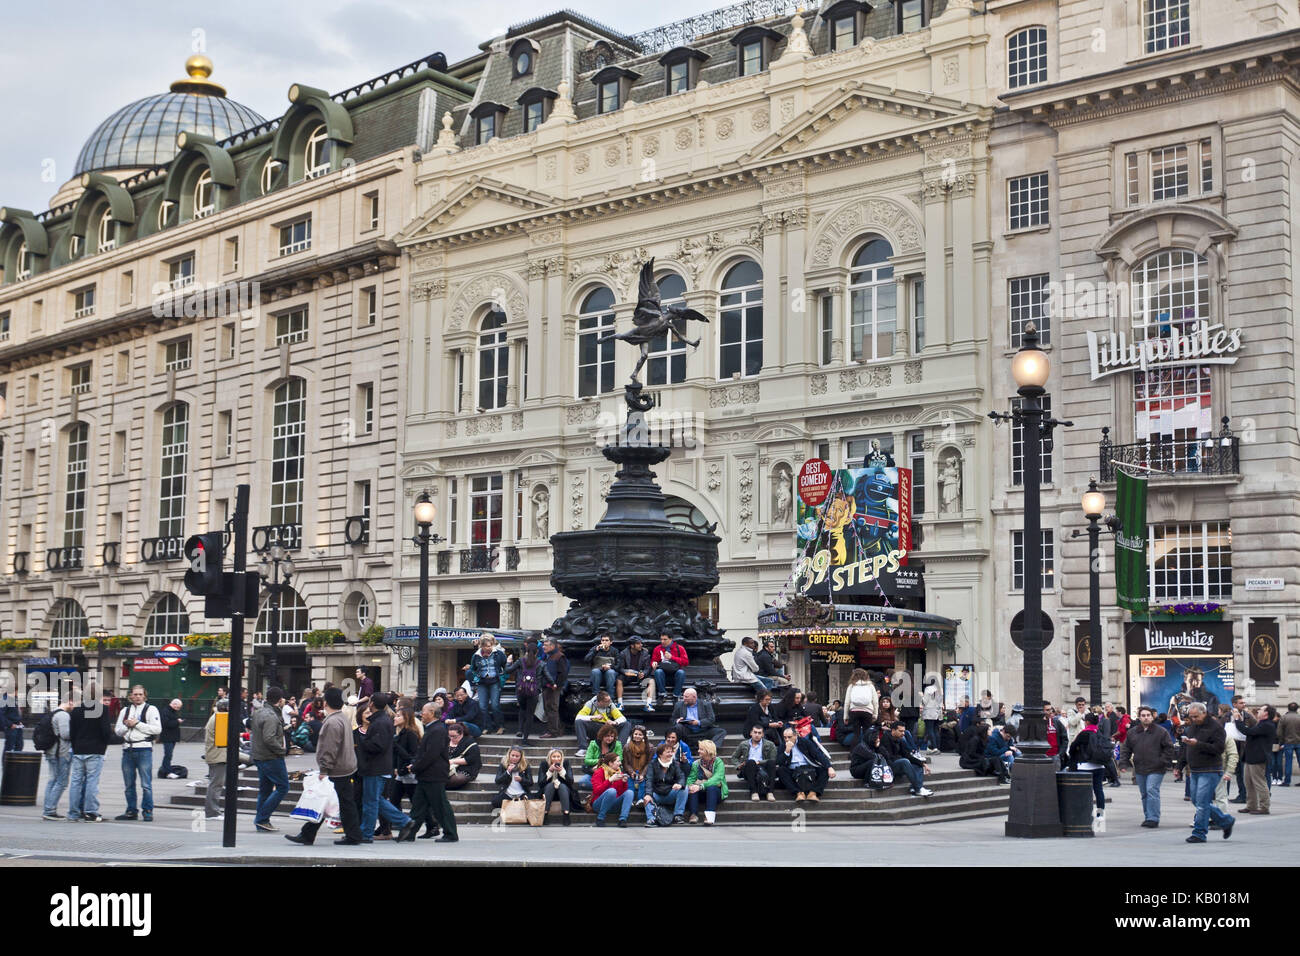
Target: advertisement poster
[956,684]
[214,667]
[861,528]
[1171,683]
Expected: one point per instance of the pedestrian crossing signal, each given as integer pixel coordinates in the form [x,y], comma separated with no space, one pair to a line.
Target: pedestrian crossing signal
[204,554]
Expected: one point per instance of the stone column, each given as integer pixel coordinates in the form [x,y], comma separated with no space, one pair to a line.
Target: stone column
[963,261]
[466,356]
[464,612]
[937,330]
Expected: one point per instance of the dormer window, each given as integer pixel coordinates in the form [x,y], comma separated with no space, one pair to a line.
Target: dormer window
[488,119]
[523,57]
[316,156]
[681,69]
[74,247]
[911,15]
[25,259]
[164,212]
[204,203]
[536,104]
[106,233]
[754,49]
[270,169]
[613,84]
[846,23]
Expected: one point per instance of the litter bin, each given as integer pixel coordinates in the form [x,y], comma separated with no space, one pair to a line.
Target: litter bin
[1074,797]
[22,772]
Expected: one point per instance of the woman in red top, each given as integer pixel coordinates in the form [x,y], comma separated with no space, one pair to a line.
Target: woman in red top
[1121,729]
[669,660]
[609,789]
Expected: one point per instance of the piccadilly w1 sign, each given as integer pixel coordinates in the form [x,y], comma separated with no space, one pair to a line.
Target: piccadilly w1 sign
[1202,344]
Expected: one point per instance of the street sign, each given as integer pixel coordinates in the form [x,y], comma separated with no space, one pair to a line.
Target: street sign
[1265,584]
[174,654]
[814,482]
[140,665]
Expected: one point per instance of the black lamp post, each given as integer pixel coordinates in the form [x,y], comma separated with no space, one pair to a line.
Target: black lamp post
[425,513]
[269,571]
[1094,503]
[100,637]
[1034,811]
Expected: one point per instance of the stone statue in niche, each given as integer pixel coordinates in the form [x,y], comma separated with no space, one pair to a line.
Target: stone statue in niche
[950,485]
[541,513]
[781,499]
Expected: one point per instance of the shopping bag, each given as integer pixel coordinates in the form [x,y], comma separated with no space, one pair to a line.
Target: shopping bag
[315,795]
[515,812]
[536,812]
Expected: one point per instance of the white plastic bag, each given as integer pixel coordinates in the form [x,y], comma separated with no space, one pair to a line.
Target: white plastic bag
[313,805]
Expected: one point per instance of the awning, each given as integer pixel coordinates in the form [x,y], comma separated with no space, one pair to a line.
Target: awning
[827,625]
[402,636]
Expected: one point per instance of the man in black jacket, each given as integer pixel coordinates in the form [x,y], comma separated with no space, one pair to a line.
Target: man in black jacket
[555,675]
[1203,739]
[90,732]
[634,669]
[170,737]
[375,765]
[1260,728]
[1150,751]
[694,721]
[893,747]
[802,767]
[11,722]
[430,805]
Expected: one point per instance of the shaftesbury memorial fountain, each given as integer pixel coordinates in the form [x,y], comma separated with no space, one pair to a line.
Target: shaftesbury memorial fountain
[635,573]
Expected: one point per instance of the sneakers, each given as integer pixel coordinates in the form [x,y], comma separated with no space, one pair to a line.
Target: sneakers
[129,815]
[924,792]
[755,797]
[650,709]
[173,776]
[147,817]
[771,796]
[265,828]
[50,816]
[622,823]
[710,817]
[580,754]
[619,705]
[1195,839]
[600,822]
[92,818]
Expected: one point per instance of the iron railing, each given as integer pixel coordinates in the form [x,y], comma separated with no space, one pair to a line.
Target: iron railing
[681,32]
[1209,455]
[20,562]
[478,560]
[64,559]
[157,550]
[356,529]
[109,553]
[267,536]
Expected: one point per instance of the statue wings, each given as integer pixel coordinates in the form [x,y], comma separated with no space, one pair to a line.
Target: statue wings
[649,310]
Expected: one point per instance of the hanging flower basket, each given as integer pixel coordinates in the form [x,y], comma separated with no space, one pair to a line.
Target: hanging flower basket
[1188,612]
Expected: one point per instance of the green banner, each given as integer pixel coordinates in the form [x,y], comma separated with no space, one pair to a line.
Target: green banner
[1131,542]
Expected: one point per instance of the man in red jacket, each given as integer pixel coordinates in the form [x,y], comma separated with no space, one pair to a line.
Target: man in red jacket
[669,660]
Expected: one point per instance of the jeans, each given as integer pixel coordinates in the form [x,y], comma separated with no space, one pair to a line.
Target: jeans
[767,682]
[1098,787]
[165,767]
[1274,767]
[932,734]
[711,797]
[14,739]
[1149,787]
[1289,750]
[83,792]
[58,768]
[637,786]
[603,680]
[675,797]
[661,681]
[373,805]
[609,799]
[474,729]
[1203,783]
[272,785]
[138,761]
[905,768]
[488,693]
[216,792]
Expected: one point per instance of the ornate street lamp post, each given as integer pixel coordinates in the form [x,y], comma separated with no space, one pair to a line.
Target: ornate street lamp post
[425,513]
[1094,503]
[270,570]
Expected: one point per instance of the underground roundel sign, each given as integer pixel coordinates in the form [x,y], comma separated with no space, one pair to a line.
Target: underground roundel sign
[814,482]
[169,649]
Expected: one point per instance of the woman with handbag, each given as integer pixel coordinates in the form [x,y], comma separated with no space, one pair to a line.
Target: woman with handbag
[514,779]
[556,782]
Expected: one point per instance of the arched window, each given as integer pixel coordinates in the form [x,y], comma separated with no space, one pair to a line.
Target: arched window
[667,365]
[1172,404]
[269,171]
[74,246]
[356,611]
[294,620]
[316,157]
[493,361]
[1027,57]
[175,458]
[873,303]
[204,195]
[741,350]
[168,624]
[684,515]
[69,628]
[288,433]
[74,499]
[164,211]
[596,358]
[25,260]
[106,232]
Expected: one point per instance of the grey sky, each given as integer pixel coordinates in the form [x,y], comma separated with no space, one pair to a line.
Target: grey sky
[65,66]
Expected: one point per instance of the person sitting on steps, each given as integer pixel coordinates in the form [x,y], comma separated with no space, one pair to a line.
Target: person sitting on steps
[598,712]
[634,669]
[668,662]
[667,785]
[606,742]
[706,784]
[464,757]
[694,721]
[902,759]
[762,712]
[514,779]
[555,781]
[755,761]
[802,766]
[602,659]
[609,789]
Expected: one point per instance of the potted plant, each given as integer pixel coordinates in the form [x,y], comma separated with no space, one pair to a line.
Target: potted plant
[323,637]
[372,635]
[1186,612]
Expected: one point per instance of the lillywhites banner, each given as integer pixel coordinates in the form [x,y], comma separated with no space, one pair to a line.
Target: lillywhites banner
[1131,542]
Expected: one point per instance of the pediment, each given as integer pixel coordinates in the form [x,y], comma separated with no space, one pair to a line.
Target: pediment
[476,203]
[863,115]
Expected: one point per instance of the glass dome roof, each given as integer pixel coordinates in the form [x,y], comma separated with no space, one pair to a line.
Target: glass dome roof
[143,133]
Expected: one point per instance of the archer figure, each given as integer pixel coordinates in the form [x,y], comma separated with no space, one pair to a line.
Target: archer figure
[651,319]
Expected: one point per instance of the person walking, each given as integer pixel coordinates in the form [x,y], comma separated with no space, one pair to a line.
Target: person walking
[215,757]
[1260,728]
[269,750]
[555,675]
[1148,749]
[170,737]
[90,730]
[138,724]
[58,760]
[1088,752]
[430,805]
[1288,735]
[487,675]
[1204,756]
[1231,757]
[528,687]
[337,759]
[375,764]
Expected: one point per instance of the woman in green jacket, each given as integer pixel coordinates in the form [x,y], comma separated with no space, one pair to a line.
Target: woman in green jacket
[707,783]
[605,742]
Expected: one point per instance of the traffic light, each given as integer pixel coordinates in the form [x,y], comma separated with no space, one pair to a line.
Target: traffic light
[203,552]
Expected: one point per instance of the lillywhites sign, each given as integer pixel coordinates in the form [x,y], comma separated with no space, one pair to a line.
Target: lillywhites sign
[1146,638]
[1203,344]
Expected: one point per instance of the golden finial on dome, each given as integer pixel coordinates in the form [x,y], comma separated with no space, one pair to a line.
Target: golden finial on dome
[199,68]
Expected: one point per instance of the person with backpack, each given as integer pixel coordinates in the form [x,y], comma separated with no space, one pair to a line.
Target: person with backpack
[555,675]
[170,737]
[1088,752]
[53,735]
[138,724]
[487,675]
[90,730]
[528,687]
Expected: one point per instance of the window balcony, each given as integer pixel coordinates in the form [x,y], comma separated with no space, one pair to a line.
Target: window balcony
[356,529]
[20,562]
[267,536]
[1213,456]
[481,560]
[109,554]
[158,550]
[63,559]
